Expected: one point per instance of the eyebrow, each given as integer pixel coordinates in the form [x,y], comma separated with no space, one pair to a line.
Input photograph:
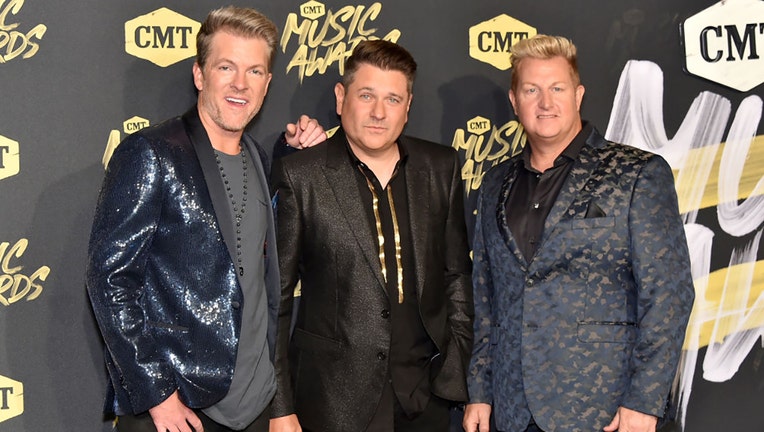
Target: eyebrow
[227,60]
[373,90]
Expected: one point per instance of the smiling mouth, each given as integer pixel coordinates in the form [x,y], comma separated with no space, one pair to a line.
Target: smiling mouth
[236,101]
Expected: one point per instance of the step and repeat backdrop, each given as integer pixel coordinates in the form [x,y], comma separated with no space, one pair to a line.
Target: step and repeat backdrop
[680,78]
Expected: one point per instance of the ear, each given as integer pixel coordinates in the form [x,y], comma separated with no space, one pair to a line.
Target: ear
[268,82]
[198,76]
[339,94]
[579,96]
[512,100]
[408,106]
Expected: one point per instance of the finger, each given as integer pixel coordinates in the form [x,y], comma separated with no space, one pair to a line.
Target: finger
[308,127]
[303,121]
[195,422]
[484,427]
[291,129]
[613,426]
[315,136]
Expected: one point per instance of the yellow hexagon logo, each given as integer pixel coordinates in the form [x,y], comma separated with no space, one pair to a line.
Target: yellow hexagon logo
[720,43]
[134,124]
[312,10]
[162,37]
[491,40]
[478,125]
[9,157]
[11,398]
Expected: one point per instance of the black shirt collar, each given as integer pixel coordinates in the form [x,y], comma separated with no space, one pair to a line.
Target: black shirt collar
[571,151]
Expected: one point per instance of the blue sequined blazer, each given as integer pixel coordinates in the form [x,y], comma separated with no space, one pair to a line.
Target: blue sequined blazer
[160,277]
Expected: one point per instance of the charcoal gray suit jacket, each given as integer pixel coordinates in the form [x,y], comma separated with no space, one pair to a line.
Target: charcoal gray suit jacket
[332,370]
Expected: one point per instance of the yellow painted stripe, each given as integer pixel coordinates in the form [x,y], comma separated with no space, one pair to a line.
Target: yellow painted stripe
[752,173]
[728,310]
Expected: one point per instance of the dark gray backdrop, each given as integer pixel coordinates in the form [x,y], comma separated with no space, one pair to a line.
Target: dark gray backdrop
[61,104]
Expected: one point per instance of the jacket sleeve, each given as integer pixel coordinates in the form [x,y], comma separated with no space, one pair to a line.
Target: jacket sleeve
[451,383]
[125,220]
[479,377]
[289,235]
[661,269]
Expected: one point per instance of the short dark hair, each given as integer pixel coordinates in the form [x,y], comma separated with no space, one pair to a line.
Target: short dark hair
[382,54]
[246,22]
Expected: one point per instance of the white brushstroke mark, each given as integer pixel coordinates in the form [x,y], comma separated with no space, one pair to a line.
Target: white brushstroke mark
[723,359]
[700,243]
[637,120]
[740,219]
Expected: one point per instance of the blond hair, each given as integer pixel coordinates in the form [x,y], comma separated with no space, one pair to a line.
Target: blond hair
[544,47]
[239,21]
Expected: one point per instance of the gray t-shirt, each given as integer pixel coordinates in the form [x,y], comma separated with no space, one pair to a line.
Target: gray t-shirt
[254,382]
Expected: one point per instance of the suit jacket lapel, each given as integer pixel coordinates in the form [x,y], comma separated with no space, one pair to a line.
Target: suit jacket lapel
[206,155]
[340,176]
[501,207]
[418,186]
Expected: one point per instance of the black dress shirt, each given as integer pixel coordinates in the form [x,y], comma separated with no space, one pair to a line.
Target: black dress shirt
[534,193]
[411,347]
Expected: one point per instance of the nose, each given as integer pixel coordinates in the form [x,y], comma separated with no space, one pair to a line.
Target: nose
[378,109]
[545,99]
[239,81]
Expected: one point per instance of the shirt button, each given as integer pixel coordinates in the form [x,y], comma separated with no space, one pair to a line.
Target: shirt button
[235,305]
[385,314]
[529,282]
[381,356]
[535,205]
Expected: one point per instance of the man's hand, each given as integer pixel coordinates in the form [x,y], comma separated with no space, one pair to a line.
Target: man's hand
[172,415]
[627,420]
[287,423]
[304,133]
[476,417]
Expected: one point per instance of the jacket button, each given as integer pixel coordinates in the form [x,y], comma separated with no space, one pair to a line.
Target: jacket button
[385,313]
[529,282]
[381,356]
[235,305]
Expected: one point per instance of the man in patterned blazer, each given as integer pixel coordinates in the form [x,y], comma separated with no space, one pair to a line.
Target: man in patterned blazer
[581,269]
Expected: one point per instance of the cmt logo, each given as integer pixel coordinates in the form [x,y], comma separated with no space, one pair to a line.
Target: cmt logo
[491,40]
[129,126]
[162,37]
[312,10]
[9,157]
[11,398]
[484,146]
[134,124]
[725,43]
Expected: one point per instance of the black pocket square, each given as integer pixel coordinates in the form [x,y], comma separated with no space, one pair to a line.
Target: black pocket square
[594,211]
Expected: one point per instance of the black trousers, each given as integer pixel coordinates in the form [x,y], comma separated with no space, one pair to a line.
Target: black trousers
[143,423]
[532,427]
[390,416]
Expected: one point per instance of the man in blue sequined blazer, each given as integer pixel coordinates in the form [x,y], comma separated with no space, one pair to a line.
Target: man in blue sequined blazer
[581,269]
[182,273]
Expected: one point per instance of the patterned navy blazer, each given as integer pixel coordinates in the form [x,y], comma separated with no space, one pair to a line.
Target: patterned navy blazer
[160,276]
[596,318]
